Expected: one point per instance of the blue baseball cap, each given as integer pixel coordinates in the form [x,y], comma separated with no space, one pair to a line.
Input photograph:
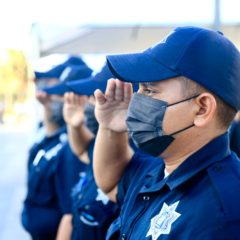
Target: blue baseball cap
[57,70]
[89,85]
[69,74]
[75,72]
[202,55]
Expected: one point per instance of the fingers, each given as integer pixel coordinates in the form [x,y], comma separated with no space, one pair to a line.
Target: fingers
[41,94]
[81,100]
[116,90]
[74,99]
[110,90]
[119,90]
[67,98]
[128,92]
[99,97]
[57,98]
[43,97]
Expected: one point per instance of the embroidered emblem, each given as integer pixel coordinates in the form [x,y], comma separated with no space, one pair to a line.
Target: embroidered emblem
[88,219]
[102,197]
[162,222]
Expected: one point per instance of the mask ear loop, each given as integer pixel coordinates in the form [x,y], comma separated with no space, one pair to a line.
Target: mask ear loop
[192,125]
[184,100]
[182,130]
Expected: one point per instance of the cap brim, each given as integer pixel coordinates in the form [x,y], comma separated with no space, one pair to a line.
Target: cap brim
[55,72]
[58,89]
[85,87]
[138,67]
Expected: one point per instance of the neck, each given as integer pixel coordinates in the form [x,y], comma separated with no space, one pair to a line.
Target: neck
[51,129]
[182,148]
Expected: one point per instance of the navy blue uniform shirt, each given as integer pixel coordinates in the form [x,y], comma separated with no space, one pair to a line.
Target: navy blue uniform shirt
[234,133]
[67,174]
[199,200]
[92,210]
[41,213]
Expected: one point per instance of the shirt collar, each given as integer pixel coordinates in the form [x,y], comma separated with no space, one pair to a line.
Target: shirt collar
[214,151]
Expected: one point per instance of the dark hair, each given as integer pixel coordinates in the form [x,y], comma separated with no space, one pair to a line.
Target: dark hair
[225,113]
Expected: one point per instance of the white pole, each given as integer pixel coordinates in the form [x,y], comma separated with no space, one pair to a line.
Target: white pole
[217,21]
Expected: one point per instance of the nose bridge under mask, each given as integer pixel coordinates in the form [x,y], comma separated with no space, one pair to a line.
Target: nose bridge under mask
[150,110]
[144,118]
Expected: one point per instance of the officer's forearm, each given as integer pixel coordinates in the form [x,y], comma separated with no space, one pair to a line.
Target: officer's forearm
[79,139]
[65,228]
[111,156]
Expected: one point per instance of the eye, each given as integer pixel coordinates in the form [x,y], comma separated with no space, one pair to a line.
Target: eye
[148,91]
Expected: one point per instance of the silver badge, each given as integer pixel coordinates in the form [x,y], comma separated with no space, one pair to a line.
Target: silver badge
[162,222]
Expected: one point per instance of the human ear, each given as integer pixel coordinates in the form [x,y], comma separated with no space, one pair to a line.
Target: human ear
[206,107]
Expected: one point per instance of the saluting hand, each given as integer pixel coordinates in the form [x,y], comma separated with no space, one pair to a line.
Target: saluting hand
[73,109]
[111,107]
[43,98]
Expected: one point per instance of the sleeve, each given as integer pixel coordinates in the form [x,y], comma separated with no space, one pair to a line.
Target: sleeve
[131,174]
[67,175]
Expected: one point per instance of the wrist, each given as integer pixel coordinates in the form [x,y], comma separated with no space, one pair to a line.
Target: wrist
[76,125]
[111,131]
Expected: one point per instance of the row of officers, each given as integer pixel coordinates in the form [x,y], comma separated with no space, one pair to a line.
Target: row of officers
[147,148]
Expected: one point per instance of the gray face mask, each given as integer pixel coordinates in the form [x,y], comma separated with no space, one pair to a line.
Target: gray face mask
[90,119]
[56,108]
[144,122]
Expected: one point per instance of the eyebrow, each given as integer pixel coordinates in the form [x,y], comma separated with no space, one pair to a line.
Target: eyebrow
[148,84]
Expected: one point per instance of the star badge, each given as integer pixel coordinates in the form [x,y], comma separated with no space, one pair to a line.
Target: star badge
[162,222]
[102,197]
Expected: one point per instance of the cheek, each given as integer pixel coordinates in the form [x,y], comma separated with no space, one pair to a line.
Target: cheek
[177,118]
[168,121]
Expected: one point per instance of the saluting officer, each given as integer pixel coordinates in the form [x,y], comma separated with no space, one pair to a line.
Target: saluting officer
[92,209]
[43,209]
[184,184]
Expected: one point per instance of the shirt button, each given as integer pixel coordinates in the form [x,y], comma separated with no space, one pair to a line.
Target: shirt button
[146,197]
[124,236]
[86,207]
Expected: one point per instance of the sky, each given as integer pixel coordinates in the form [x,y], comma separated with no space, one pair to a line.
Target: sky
[16,17]
[115,11]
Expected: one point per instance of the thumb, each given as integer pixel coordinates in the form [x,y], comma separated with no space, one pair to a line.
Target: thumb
[100,97]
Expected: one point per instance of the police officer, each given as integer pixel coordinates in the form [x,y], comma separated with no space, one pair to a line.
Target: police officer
[47,196]
[66,175]
[185,183]
[92,210]
[68,165]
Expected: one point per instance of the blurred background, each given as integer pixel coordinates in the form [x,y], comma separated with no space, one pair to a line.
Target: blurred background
[36,35]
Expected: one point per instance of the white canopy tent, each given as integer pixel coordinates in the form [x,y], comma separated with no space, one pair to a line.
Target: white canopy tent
[129,27]
[114,39]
